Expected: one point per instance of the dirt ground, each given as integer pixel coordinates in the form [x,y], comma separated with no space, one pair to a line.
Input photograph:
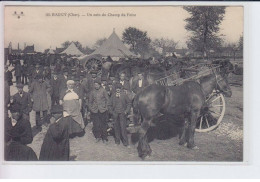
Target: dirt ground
[223,144]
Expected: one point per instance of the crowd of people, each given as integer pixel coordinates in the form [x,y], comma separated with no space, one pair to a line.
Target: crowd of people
[65,98]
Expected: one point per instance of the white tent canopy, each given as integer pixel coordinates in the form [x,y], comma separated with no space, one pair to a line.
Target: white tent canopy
[113,47]
[72,50]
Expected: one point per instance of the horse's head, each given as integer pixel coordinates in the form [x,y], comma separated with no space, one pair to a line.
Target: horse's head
[222,85]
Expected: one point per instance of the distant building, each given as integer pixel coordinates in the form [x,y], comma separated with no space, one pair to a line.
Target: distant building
[29,50]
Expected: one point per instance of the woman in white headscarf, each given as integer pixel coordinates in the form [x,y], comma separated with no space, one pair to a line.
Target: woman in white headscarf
[72,107]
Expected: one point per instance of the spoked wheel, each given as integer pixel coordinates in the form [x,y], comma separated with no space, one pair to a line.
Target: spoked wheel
[212,114]
[94,64]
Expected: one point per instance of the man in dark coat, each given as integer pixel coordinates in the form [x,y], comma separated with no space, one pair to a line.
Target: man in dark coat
[18,134]
[55,88]
[23,99]
[18,72]
[38,90]
[63,81]
[123,81]
[55,145]
[120,106]
[139,83]
[98,105]
[37,71]
[25,74]
[8,76]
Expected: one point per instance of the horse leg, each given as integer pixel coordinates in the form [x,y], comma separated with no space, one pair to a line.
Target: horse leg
[143,145]
[183,133]
[191,129]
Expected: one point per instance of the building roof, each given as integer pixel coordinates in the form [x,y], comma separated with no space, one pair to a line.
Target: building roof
[59,50]
[113,47]
[72,50]
[28,49]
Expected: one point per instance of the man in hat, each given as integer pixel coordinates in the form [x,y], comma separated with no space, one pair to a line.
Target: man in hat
[98,105]
[55,88]
[18,71]
[119,107]
[23,99]
[139,83]
[25,74]
[18,134]
[38,90]
[123,81]
[37,72]
[63,80]
[55,145]
[8,76]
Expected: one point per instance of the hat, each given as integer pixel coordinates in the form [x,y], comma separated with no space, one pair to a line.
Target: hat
[70,82]
[56,109]
[19,85]
[14,108]
[93,72]
[118,85]
[97,81]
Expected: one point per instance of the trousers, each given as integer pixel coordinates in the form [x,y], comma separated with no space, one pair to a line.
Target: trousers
[120,128]
[38,118]
[100,125]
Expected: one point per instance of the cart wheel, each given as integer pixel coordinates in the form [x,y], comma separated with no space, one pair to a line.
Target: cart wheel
[212,114]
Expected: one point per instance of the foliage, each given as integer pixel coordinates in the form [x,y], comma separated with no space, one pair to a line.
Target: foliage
[99,42]
[166,45]
[138,40]
[204,26]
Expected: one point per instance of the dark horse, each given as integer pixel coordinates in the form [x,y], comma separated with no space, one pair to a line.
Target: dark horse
[185,101]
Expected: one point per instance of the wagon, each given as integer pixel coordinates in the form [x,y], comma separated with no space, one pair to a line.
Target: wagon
[214,110]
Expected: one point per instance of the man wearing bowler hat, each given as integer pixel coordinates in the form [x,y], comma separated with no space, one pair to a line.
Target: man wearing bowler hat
[119,107]
[23,99]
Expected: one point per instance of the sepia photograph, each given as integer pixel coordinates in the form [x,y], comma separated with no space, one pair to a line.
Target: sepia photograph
[123,83]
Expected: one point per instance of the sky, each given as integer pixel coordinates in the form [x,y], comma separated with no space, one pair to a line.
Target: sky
[49,26]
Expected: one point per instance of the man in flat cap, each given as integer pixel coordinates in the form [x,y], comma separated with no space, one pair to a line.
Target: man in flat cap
[98,105]
[119,107]
[23,99]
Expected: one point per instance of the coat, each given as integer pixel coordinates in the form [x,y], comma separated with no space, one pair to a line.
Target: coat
[135,86]
[21,132]
[55,145]
[36,73]
[125,102]
[55,87]
[16,151]
[24,102]
[9,77]
[7,95]
[98,100]
[18,70]
[39,95]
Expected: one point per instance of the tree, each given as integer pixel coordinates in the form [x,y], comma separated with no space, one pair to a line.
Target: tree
[138,40]
[166,45]
[65,44]
[99,42]
[241,43]
[204,26]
